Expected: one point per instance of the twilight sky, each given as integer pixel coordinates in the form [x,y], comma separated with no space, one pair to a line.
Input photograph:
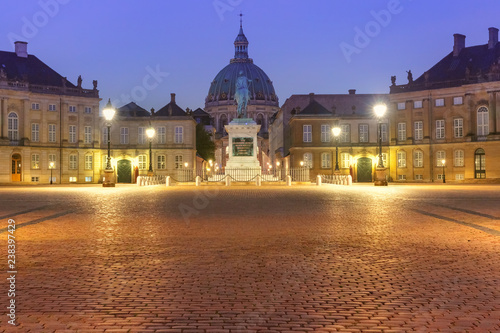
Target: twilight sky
[143,50]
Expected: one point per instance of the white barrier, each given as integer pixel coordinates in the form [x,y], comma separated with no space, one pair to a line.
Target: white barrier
[336,179]
[228,181]
[258,180]
[168,181]
[198,180]
[318,180]
[288,180]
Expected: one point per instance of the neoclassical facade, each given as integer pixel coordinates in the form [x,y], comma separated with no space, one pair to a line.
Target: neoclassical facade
[221,106]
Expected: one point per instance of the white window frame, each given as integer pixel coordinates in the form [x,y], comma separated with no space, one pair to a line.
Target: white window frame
[345,133]
[401,157]
[483,121]
[88,162]
[402,106]
[141,135]
[363,133]
[72,108]
[306,133]
[161,162]
[178,162]
[142,162]
[345,160]
[458,127]
[419,177]
[458,158]
[35,132]
[440,126]
[161,135]
[35,161]
[439,102]
[88,134]
[307,158]
[383,129]
[13,126]
[35,106]
[72,134]
[52,158]
[124,138]
[52,107]
[440,156]
[52,133]
[402,132]
[73,161]
[418,129]
[88,109]
[458,100]
[179,134]
[418,158]
[326,160]
[417,104]
[325,133]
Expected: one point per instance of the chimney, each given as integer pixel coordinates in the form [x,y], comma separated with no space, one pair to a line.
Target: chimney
[21,49]
[152,111]
[459,40]
[172,98]
[492,42]
[311,97]
[352,91]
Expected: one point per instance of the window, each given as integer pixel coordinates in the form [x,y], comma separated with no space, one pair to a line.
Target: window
[479,164]
[124,135]
[383,129]
[458,100]
[88,134]
[401,159]
[72,162]
[72,179]
[141,135]
[483,121]
[401,177]
[35,179]
[52,159]
[417,104]
[12,127]
[142,162]
[439,102]
[88,162]
[72,108]
[326,159]
[105,135]
[308,160]
[419,177]
[307,133]
[458,158]
[458,127]
[35,137]
[52,107]
[401,131]
[161,159]
[439,177]
[419,130]
[88,179]
[52,132]
[363,132]
[35,161]
[345,160]
[179,134]
[178,162]
[161,134]
[418,159]
[325,133]
[440,156]
[440,129]
[401,106]
[345,133]
[72,133]
[459,176]
[88,109]
[35,106]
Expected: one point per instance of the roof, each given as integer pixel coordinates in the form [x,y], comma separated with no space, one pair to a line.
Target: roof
[315,108]
[31,70]
[472,65]
[132,110]
[199,112]
[171,110]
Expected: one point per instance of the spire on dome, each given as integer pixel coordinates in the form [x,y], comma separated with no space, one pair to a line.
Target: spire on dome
[241,43]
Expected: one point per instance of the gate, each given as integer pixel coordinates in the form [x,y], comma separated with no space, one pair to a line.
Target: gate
[364,170]
[124,171]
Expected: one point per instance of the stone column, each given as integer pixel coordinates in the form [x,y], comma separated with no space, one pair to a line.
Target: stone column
[492,111]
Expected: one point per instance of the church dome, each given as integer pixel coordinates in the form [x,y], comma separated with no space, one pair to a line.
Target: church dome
[222,88]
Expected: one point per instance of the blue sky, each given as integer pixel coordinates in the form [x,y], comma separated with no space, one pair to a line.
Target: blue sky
[144,50]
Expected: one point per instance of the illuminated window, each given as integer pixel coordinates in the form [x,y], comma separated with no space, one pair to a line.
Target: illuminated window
[35,132]
[178,162]
[345,160]
[401,106]
[458,159]
[440,156]
[401,159]
[458,127]
[161,162]
[307,133]
[419,130]
[308,160]
[326,159]
[12,128]
[72,161]
[483,121]
[142,162]
[35,161]
[418,159]
[88,162]
[458,100]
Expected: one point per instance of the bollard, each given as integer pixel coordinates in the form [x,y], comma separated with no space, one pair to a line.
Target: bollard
[228,181]
[168,181]
[258,181]
[198,180]
[318,180]
[288,180]
[349,180]
[138,181]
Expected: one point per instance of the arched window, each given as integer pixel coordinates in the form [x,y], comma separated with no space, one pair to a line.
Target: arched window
[440,157]
[479,163]
[418,158]
[13,127]
[401,159]
[483,121]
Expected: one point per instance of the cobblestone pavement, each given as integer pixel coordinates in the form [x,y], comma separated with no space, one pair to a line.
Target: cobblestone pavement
[253,259]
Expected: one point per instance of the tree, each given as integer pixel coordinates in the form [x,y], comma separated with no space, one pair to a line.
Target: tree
[204,144]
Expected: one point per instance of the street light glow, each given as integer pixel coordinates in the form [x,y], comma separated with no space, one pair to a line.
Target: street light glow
[336,131]
[150,132]
[380,110]
[108,111]
[52,165]
[443,161]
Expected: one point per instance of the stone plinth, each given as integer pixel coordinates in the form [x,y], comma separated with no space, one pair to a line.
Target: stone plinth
[109,178]
[380,179]
[243,144]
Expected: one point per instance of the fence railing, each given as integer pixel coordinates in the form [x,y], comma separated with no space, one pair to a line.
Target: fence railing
[150,180]
[299,174]
[336,179]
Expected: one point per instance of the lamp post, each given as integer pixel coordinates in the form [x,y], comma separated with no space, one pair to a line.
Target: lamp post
[109,113]
[51,167]
[336,133]
[380,110]
[150,132]
[443,162]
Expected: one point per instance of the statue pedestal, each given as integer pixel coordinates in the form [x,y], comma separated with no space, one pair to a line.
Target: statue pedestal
[242,133]
[109,178]
[380,177]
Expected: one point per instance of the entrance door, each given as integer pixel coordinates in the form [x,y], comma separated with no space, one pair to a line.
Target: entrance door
[364,170]
[16,168]
[124,170]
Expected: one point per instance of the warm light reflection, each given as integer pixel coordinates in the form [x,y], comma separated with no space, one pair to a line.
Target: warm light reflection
[380,110]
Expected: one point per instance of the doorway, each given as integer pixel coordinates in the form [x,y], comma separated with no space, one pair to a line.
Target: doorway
[16,168]
[124,170]
[364,170]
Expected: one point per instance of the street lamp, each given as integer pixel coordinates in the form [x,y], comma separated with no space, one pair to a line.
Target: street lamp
[52,165]
[301,164]
[443,162]
[109,113]
[186,165]
[150,132]
[380,110]
[336,133]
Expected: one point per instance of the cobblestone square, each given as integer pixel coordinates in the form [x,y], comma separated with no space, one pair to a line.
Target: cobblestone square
[402,258]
